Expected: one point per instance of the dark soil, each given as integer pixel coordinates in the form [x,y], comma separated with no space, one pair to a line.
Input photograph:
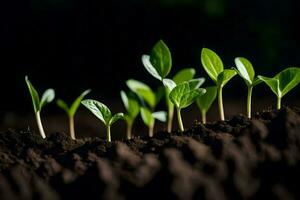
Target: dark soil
[236,159]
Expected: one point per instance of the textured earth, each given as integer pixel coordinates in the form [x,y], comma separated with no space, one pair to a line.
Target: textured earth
[235,159]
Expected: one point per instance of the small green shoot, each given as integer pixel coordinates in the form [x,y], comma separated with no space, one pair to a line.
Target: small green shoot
[213,66]
[246,71]
[283,82]
[102,112]
[149,117]
[149,100]
[205,101]
[72,110]
[159,62]
[184,94]
[133,108]
[38,103]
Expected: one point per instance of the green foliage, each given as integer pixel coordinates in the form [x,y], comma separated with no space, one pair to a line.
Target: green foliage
[102,112]
[47,96]
[159,63]
[225,76]
[284,81]
[131,105]
[246,71]
[212,63]
[205,101]
[143,91]
[73,108]
[184,75]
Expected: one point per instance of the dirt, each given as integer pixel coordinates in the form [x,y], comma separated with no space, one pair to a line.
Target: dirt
[235,159]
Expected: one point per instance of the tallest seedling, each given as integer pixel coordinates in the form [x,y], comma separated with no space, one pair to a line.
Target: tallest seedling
[213,66]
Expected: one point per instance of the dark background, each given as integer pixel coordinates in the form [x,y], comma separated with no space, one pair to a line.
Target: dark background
[72,45]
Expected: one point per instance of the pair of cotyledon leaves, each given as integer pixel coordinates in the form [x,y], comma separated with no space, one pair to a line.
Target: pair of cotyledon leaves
[131,105]
[38,103]
[280,84]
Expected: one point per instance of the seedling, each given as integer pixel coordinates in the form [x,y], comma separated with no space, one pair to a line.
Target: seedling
[184,94]
[283,82]
[213,66]
[38,103]
[102,112]
[246,71]
[149,100]
[133,108]
[72,110]
[205,101]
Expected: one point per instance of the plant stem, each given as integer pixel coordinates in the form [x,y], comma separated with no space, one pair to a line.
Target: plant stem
[108,133]
[278,103]
[129,130]
[170,118]
[220,102]
[40,125]
[203,116]
[249,98]
[151,128]
[71,127]
[180,124]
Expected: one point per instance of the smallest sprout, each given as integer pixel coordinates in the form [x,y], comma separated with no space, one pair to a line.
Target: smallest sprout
[102,112]
[205,101]
[283,82]
[72,110]
[38,103]
[149,117]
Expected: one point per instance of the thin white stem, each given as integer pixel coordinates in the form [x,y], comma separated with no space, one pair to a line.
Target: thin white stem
[40,125]
[108,136]
[203,115]
[220,102]
[72,129]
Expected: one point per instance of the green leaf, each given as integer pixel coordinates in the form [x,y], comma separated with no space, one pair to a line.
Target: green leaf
[34,95]
[160,59]
[256,81]
[205,101]
[116,117]
[245,70]
[100,110]
[160,92]
[147,117]
[169,84]
[183,95]
[131,105]
[284,81]
[47,97]
[196,83]
[160,115]
[225,76]
[212,63]
[184,75]
[143,91]
[77,101]
[149,67]
[63,105]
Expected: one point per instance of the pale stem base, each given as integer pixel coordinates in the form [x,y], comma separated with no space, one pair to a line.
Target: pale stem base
[72,129]
[108,136]
[39,124]
[249,99]
[220,102]
[151,130]
[170,119]
[278,103]
[203,117]
[180,124]
[129,130]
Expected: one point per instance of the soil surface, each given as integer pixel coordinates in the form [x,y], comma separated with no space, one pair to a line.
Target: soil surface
[235,159]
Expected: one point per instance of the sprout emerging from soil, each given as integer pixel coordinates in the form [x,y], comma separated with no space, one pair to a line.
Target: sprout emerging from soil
[102,112]
[133,108]
[205,101]
[149,100]
[246,71]
[72,110]
[283,82]
[213,66]
[38,103]
[184,94]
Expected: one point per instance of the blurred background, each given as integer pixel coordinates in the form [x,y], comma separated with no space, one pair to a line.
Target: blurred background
[72,45]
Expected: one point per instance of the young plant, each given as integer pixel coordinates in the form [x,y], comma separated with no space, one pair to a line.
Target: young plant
[246,71]
[184,94]
[283,82]
[205,101]
[38,103]
[102,112]
[149,100]
[213,66]
[72,110]
[133,108]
